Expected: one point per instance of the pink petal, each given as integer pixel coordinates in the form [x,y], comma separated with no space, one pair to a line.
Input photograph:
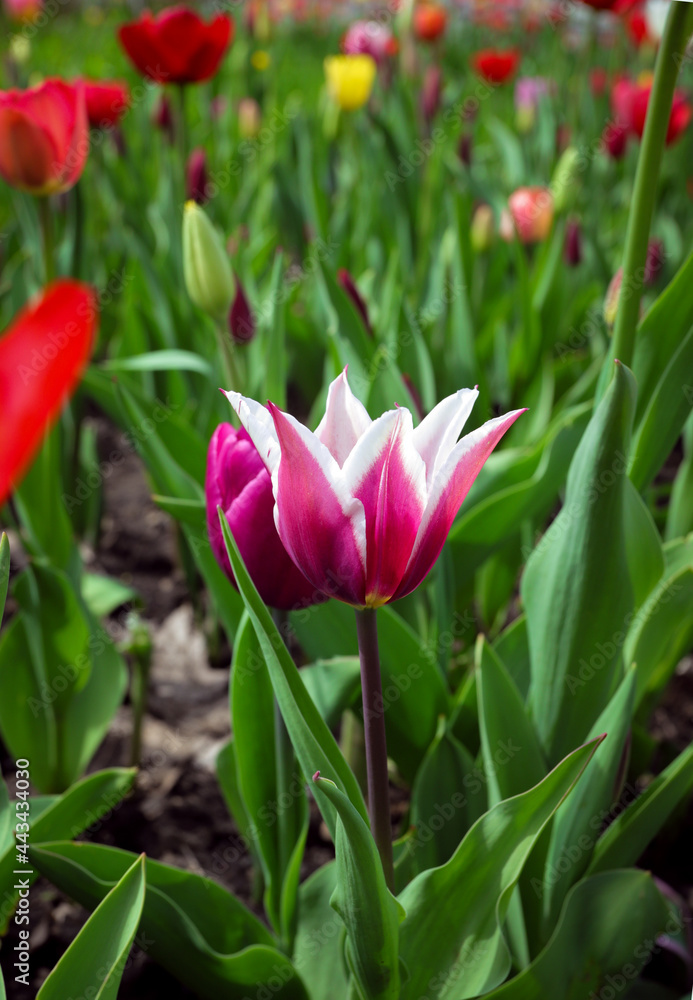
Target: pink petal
[345,420]
[322,526]
[437,433]
[448,490]
[388,475]
[259,424]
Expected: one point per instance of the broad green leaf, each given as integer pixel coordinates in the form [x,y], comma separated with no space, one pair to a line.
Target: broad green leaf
[576,599]
[680,513]
[191,926]
[333,685]
[667,411]
[513,649]
[172,359]
[44,518]
[442,801]
[370,912]
[94,963]
[4,570]
[577,823]
[227,773]
[414,692]
[628,835]
[190,512]
[84,805]
[102,594]
[451,940]
[600,940]
[313,742]
[512,756]
[318,949]
[643,545]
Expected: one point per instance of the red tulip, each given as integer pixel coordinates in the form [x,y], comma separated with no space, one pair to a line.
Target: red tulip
[42,356]
[599,79]
[177,46]
[629,102]
[529,215]
[496,65]
[430,21]
[615,139]
[107,102]
[43,136]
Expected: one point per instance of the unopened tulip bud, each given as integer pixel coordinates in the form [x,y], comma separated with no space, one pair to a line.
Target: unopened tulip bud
[249,116]
[529,215]
[349,286]
[163,118]
[196,177]
[483,228]
[206,266]
[430,93]
[564,181]
[654,262]
[464,149]
[572,247]
[241,319]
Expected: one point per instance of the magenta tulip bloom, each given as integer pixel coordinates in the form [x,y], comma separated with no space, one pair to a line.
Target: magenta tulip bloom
[238,482]
[364,506]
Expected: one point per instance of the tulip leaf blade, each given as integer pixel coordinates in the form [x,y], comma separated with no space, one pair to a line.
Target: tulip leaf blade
[318,949]
[193,927]
[4,571]
[313,742]
[450,940]
[370,912]
[94,962]
[600,933]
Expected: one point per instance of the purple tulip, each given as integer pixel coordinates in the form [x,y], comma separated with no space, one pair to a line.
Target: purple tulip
[238,482]
[241,319]
[349,286]
[364,506]
[572,247]
[196,177]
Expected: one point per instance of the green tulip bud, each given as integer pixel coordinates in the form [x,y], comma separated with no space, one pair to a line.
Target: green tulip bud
[564,180]
[206,265]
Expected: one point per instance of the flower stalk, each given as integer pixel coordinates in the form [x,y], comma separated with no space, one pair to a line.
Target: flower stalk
[374,737]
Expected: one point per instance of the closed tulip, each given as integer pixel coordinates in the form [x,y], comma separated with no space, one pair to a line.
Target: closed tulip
[196,179]
[238,482]
[364,506]
[530,215]
[429,21]
[496,65]
[43,137]
[206,266]
[177,46]
[42,356]
[350,80]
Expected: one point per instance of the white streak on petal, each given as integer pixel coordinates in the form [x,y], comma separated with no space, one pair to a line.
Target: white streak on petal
[345,420]
[437,433]
[259,424]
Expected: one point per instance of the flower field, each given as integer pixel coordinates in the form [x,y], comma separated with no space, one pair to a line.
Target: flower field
[370,676]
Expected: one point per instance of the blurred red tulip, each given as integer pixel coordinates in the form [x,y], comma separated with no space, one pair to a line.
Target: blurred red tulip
[496,65]
[572,246]
[241,318]
[599,79]
[177,46]
[615,139]
[629,102]
[43,136]
[163,118]
[530,215]
[107,102]
[429,21]
[42,356]
[23,10]
[431,93]
[637,28]
[196,177]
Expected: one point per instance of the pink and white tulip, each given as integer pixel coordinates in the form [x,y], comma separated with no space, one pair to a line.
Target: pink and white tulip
[364,506]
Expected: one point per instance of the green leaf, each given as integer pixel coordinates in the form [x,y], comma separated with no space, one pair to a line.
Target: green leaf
[172,359]
[575,599]
[84,805]
[190,512]
[102,594]
[625,839]
[4,571]
[318,949]
[451,939]
[313,742]
[513,649]
[273,331]
[667,410]
[512,756]
[643,545]
[370,912]
[600,941]
[191,926]
[93,964]
[333,685]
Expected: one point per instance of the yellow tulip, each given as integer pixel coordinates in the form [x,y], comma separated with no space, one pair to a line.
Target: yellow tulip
[350,79]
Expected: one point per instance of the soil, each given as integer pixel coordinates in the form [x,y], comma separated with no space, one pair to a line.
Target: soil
[176,814]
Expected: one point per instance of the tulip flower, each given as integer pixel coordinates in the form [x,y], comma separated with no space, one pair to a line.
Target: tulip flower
[42,356]
[43,137]
[196,178]
[495,65]
[177,46]
[23,10]
[483,228]
[572,246]
[369,38]
[429,21]
[206,266]
[629,103]
[249,117]
[107,102]
[364,506]
[241,318]
[350,80]
[238,482]
[530,215]
[431,93]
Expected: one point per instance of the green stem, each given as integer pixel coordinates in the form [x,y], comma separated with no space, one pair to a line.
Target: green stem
[46,217]
[139,691]
[284,762]
[374,737]
[229,359]
[182,130]
[669,59]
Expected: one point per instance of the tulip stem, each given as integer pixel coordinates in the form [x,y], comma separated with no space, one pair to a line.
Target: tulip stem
[669,60]
[46,217]
[374,737]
